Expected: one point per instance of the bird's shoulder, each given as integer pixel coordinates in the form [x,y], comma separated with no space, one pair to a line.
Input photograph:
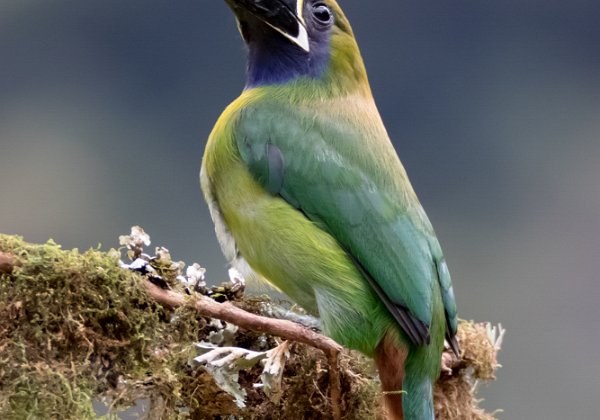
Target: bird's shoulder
[335,143]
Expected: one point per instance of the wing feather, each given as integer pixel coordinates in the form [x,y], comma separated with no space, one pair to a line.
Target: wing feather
[358,191]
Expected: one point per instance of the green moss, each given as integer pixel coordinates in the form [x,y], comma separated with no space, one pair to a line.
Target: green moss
[75,327]
[74,323]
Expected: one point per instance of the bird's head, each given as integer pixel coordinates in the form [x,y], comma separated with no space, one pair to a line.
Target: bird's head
[300,41]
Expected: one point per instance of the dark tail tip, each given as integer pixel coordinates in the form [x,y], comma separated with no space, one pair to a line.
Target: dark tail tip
[453,345]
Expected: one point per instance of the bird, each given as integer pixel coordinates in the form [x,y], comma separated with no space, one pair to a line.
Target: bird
[307,193]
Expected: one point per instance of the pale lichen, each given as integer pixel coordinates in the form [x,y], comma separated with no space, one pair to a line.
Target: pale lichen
[77,327]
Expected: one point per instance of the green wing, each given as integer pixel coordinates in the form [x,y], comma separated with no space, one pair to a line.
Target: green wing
[354,187]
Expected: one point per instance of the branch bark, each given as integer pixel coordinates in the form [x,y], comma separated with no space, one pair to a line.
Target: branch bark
[288,330]
[49,345]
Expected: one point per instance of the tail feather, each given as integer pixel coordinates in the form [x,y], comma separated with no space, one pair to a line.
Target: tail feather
[418,399]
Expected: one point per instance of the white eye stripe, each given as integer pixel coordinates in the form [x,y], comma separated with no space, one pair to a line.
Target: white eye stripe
[301,40]
[239,27]
[300,11]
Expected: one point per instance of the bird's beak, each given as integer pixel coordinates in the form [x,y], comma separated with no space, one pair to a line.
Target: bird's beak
[284,16]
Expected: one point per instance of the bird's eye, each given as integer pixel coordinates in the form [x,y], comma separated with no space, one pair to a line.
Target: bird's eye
[322,14]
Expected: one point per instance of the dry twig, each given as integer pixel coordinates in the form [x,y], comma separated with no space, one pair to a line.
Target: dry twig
[282,328]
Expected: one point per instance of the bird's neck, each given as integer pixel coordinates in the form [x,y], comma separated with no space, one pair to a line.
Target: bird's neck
[274,61]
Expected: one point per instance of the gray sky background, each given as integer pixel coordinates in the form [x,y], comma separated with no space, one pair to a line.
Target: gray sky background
[494,108]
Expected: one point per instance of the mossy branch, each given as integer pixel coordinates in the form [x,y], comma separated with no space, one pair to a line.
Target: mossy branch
[229,313]
[7,263]
[77,327]
[275,327]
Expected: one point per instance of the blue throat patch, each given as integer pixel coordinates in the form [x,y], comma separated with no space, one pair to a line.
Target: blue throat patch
[275,60]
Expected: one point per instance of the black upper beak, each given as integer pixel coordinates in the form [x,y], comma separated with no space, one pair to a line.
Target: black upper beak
[282,17]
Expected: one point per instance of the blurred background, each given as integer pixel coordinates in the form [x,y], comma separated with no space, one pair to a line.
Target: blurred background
[494,108]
